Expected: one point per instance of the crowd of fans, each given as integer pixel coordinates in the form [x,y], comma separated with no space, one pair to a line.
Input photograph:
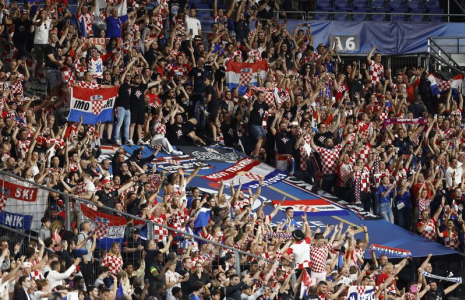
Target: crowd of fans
[313,115]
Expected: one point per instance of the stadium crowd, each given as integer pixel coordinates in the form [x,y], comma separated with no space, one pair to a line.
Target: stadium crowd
[319,118]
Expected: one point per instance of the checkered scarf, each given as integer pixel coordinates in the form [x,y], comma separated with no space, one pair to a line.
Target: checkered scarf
[303,159]
[358,185]
[315,166]
[265,118]
[376,164]
[220,137]
[57,143]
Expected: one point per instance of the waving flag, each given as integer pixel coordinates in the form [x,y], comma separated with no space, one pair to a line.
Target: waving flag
[358,292]
[242,74]
[108,228]
[439,86]
[22,205]
[249,171]
[94,105]
[202,217]
[305,284]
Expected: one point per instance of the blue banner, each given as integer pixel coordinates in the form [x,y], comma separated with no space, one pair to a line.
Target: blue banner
[388,37]
[16,221]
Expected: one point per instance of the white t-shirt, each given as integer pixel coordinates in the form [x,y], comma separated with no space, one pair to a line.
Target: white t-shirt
[194,25]
[41,33]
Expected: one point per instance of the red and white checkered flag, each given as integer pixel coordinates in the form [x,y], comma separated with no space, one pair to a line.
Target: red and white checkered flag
[101,228]
[3,200]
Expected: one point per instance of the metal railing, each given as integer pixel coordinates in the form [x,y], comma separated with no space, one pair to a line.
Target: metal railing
[150,224]
[446,62]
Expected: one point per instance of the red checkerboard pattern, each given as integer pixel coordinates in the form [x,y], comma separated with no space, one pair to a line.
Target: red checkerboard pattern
[113,263]
[345,173]
[101,229]
[245,78]
[97,106]
[451,240]
[430,230]
[329,159]
[376,71]
[318,257]
[160,128]
[3,200]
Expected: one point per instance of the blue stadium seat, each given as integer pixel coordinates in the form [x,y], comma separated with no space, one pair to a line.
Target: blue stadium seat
[360,17]
[343,4]
[378,4]
[398,4]
[436,19]
[360,4]
[341,17]
[432,4]
[379,18]
[323,17]
[414,4]
[417,18]
[204,14]
[398,18]
[324,4]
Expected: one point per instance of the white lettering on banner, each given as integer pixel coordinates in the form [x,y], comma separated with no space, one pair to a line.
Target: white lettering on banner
[226,157]
[270,181]
[217,175]
[346,43]
[14,221]
[18,212]
[26,194]
[115,232]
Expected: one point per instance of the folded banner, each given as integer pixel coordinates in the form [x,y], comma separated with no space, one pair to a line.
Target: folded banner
[22,205]
[315,207]
[94,105]
[358,292]
[241,75]
[249,171]
[174,163]
[388,122]
[211,154]
[450,279]
[390,251]
[439,86]
[108,228]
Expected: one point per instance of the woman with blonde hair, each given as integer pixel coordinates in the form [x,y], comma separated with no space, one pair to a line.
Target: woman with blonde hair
[113,260]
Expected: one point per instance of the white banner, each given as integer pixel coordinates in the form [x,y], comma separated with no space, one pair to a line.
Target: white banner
[22,204]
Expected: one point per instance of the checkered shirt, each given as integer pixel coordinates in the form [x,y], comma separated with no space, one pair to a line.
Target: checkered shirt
[345,175]
[113,263]
[376,71]
[409,296]
[160,128]
[318,257]
[87,19]
[23,145]
[159,233]
[401,174]
[329,158]
[17,88]
[177,220]
[364,152]
[424,204]
[377,176]
[449,133]
[255,55]
[68,74]
[364,176]
[240,203]
[451,240]
[430,230]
